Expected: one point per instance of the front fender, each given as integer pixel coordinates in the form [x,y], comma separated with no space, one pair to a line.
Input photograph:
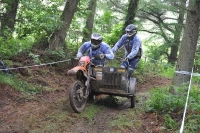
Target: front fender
[75,70]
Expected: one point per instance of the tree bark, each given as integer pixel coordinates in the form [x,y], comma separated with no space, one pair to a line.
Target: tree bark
[57,40]
[9,17]
[132,8]
[189,43]
[177,34]
[87,31]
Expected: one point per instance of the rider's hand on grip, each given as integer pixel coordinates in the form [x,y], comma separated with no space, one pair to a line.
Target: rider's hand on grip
[99,57]
[126,59]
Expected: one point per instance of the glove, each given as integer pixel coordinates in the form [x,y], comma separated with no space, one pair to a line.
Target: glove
[126,59]
[99,57]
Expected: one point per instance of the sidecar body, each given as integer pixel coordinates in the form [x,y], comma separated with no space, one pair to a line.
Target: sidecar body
[113,81]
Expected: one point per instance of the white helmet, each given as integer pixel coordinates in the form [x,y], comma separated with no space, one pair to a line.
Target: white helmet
[96,40]
[131,30]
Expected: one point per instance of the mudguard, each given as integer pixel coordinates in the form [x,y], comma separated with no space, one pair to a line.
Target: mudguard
[76,69]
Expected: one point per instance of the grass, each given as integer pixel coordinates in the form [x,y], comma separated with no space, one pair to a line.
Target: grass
[90,112]
[60,121]
[57,121]
[171,106]
[19,85]
[123,120]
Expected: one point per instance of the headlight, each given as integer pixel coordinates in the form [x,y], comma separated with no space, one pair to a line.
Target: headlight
[82,63]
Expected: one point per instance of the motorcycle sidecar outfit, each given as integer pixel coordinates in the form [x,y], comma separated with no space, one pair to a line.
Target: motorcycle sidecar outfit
[114,81]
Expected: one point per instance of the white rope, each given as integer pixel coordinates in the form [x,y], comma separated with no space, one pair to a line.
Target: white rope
[182,125]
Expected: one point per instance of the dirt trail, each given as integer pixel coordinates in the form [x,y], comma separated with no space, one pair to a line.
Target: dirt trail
[47,111]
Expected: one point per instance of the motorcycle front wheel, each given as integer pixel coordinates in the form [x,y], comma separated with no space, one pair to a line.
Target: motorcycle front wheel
[77,101]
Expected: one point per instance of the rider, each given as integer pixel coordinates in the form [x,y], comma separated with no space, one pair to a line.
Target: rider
[99,49]
[132,46]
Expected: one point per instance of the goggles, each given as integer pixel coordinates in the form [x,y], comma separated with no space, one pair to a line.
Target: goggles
[95,42]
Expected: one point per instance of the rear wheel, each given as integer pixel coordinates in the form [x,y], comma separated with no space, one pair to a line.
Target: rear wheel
[133,101]
[77,101]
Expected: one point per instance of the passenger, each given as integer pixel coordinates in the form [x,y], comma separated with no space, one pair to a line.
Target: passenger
[132,46]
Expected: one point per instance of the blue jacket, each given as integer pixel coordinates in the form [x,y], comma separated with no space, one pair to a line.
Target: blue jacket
[103,49]
[133,46]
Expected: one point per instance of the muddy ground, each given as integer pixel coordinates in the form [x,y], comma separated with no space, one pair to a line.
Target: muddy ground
[50,111]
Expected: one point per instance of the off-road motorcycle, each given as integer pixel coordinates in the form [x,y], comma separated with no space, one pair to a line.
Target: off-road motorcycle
[91,81]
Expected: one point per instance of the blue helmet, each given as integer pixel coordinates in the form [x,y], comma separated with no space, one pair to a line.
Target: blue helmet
[131,30]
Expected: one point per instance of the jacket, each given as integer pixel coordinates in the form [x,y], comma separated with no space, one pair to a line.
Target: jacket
[103,49]
[132,46]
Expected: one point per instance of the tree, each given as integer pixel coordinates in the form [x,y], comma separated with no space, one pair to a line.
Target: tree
[174,48]
[165,25]
[132,8]
[57,40]
[90,20]
[189,43]
[9,17]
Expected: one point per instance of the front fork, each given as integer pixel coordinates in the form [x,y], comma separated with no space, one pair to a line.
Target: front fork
[87,82]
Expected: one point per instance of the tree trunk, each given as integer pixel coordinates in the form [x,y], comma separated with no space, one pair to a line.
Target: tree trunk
[189,43]
[177,35]
[87,31]
[132,8]
[173,52]
[57,40]
[9,17]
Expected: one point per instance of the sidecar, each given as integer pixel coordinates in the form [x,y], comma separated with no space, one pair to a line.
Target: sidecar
[113,81]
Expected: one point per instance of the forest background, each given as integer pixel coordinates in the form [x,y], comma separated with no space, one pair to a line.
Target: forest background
[53,30]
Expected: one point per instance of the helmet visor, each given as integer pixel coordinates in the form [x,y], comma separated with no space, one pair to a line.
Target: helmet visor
[130,33]
[95,42]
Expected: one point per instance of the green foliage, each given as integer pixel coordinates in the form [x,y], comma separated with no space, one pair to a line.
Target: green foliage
[14,46]
[192,123]
[164,102]
[19,85]
[74,33]
[161,101]
[194,101]
[196,60]
[169,122]
[104,22]
[35,58]
[59,52]
[149,65]
[38,18]
[114,36]
[155,50]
